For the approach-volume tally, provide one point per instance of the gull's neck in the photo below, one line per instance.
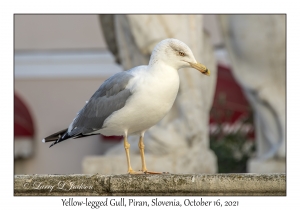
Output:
(161, 69)
(154, 57)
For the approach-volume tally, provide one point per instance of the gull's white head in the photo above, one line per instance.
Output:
(177, 54)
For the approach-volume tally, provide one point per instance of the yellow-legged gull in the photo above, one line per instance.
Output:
(132, 101)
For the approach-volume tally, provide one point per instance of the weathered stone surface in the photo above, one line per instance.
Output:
(165, 184)
(61, 184)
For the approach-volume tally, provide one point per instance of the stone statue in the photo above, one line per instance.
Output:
(256, 45)
(180, 142)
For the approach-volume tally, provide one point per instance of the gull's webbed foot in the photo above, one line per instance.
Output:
(135, 172)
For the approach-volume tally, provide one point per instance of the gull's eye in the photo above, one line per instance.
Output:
(181, 54)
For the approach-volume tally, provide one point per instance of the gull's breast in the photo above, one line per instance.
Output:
(153, 97)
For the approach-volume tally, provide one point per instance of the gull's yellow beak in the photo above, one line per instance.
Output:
(200, 67)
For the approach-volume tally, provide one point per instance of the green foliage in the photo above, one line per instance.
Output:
(233, 152)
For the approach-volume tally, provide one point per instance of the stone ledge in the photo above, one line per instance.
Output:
(156, 185)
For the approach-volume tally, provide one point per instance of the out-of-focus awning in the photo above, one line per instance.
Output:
(23, 129)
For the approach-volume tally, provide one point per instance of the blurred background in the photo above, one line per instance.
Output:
(238, 119)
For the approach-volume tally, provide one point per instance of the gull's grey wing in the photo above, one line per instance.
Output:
(110, 97)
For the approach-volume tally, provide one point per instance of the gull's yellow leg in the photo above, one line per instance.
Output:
(142, 146)
(127, 146)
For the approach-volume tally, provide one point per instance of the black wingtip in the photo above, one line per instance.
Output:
(60, 139)
(57, 141)
(52, 144)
